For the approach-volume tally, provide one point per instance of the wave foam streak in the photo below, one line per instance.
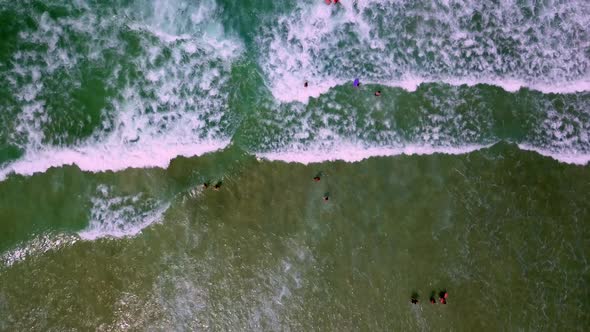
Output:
(164, 94)
(119, 216)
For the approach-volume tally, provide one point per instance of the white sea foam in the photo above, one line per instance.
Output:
(176, 105)
(111, 215)
(351, 152)
(446, 120)
(113, 224)
(569, 157)
(510, 85)
(121, 216)
(290, 88)
(175, 109)
(97, 158)
(406, 43)
(36, 247)
(355, 153)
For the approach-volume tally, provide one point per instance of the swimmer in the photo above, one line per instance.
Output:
(205, 185)
(305, 84)
(317, 177)
(217, 186)
(356, 83)
(377, 93)
(414, 300)
(433, 297)
(443, 297)
(326, 197)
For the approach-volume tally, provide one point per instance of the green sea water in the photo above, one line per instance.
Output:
(503, 231)
(468, 174)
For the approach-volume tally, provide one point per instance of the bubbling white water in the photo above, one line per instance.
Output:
(401, 43)
(168, 101)
(120, 216)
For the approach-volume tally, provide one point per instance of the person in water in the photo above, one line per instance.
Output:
(317, 177)
(432, 297)
(217, 186)
(205, 185)
(443, 297)
(305, 84)
(326, 197)
(356, 83)
(414, 300)
(377, 93)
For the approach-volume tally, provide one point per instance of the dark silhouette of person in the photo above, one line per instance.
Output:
(443, 295)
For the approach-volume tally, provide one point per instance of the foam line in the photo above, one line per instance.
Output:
(121, 227)
(36, 247)
(99, 158)
(350, 152)
(292, 90)
(565, 157)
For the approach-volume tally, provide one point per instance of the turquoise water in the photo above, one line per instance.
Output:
(469, 173)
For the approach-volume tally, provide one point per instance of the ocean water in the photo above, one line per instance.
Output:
(468, 174)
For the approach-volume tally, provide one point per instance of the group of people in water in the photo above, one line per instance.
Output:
(317, 178)
(442, 297)
(218, 184)
(216, 187)
(356, 83)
